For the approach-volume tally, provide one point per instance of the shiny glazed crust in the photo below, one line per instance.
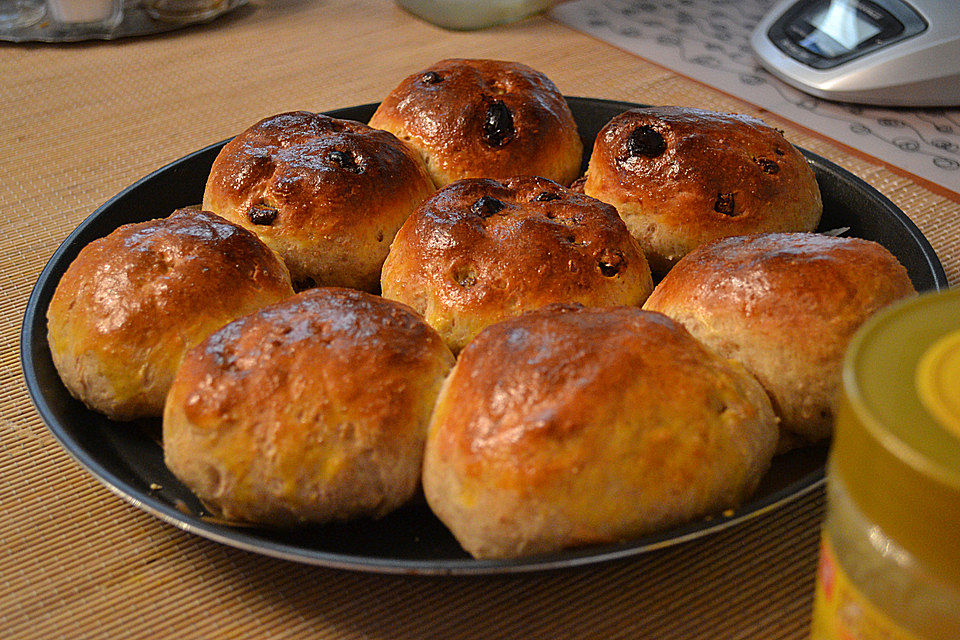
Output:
(785, 306)
(311, 410)
(130, 305)
(328, 195)
(441, 112)
(482, 250)
(570, 426)
(690, 176)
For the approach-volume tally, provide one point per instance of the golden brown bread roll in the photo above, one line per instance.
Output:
(328, 195)
(571, 426)
(785, 306)
(681, 177)
(484, 119)
(131, 304)
(480, 250)
(310, 410)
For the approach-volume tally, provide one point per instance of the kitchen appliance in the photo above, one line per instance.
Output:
(881, 52)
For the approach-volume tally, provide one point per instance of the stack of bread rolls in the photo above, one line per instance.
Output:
(438, 298)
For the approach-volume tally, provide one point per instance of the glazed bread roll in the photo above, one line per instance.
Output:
(310, 410)
(484, 119)
(131, 304)
(571, 426)
(480, 250)
(785, 306)
(328, 195)
(681, 177)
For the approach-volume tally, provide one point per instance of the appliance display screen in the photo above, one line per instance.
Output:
(838, 28)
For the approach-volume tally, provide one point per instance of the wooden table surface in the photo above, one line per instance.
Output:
(80, 122)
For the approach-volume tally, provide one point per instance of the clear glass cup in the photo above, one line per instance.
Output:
(85, 16)
(15, 14)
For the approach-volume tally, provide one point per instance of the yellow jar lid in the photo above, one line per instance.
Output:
(897, 438)
(938, 381)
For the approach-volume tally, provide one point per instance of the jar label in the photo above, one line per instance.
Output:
(842, 612)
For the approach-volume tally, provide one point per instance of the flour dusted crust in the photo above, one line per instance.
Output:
(570, 426)
(785, 306)
(327, 194)
(481, 250)
(132, 303)
(484, 119)
(681, 177)
(311, 410)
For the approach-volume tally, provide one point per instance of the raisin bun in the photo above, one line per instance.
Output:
(484, 119)
(328, 195)
(785, 306)
(132, 303)
(482, 250)
(570, 426)
(681, 177)
(311, 410)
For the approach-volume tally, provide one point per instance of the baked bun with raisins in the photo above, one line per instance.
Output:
(310, 410)
(482, 250)
(785, 305)
(132, 303)
(681, 177)
(484, 119)
(327, 194)
(570, 426)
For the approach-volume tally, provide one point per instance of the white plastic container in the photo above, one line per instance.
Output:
(466, 15)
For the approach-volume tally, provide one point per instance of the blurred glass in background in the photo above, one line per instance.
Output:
(20, 13)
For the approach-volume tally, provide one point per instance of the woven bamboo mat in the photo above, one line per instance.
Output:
(81, 122)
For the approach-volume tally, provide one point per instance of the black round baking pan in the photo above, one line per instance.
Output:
(128, 457)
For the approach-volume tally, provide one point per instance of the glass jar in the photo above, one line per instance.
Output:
(184, 11)
(890, 552)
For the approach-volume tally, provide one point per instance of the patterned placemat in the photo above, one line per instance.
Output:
(81, 122)
(710, 42)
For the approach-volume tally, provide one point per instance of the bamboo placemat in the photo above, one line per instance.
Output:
(81, 122)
